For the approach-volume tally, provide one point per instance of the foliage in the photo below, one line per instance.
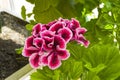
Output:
(100, 61)
(104, 61)
(23, 12)
(65, 72)
(19, 50)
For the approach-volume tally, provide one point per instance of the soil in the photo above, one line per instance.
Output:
(12, 36)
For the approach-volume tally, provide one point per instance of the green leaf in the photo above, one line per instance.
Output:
(29, 27)
(97, 69)
(54, 3)
(71, 69)
(31, 1)
(76, 70)
(80, 1)
(29, 14)
(33, 22)
(108, 18)
(39, 76)
(118, 78)
(90, 76)
(76, 50)
(23, 12)
(109, 26)
(65, 67)
(66, 9)
(91, 4)
(107, 6)
(45, 11)
(43, 74)
(41, 5)
(108, 56)
(56, 75)
(19, 50)
(116, 14)
(46, 71)
(47, 16)
(46, 74)
(104, 20)
(81, 12)
(63, 76)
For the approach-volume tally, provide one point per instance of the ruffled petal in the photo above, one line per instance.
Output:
(63, 54)
(29, 42)
(55, 27)
(47, 26)
(29, 51)
(44, 59)
(66, 21)
(47, 33)
(51, 23)
(59, 42)
(48, 45)
(53, 61)
(66, 34)
(38, 42)
(80, 31)
(81, 39)
(34, 60)
(48, 37)
(74, 24)
(36, 30)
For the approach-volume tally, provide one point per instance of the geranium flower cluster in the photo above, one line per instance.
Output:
(47, 45)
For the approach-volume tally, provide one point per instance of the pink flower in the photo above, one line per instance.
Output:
(47, 34)
(47, 45)
(44, 59)
(39, 42)
(62, 54)
(66, 21)
(58, 25)
(81, 39)
(53, 59)
(34, 60)
(29, 48)
(47, 26)
(29, 42)
(52, 41)
(36, 30)
(32, 45)
(66, 34)
(79, 31)
(51, 23)
(73, 24)
(27, 52)
(48, 37)
(59, 43)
